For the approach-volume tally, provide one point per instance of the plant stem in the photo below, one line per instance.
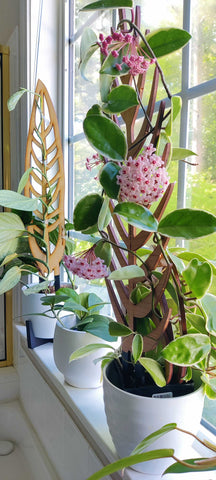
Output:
(134, 27)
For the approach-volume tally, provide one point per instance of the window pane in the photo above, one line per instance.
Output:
(201, 187)
(84, 179)
(203, 45)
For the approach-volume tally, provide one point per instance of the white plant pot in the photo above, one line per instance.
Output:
(131, 418)
(43, 327)
(81, 373)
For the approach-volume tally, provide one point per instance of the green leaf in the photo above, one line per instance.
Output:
(210, 392)
(104, 216)
(185, 255)
(120, 99)
(187, 350)
(11, 199)
(197, 322)
(154, 369)
(166, 40)
(86, 211)
(153, 437)
(70, 293)
(198, 276)
(108, 179)
(209, 304)
(104, 251)
(137, 347)
(125, 273)
(36, 288)
(193, 466)
(14, 99)
(105, 136)
(139, 293)
(11, 226)
(84, 351)
(109, 65)
(119, 329)
(187, 223)
(181, 153)
(99, 326)
(131, 460)
(103, 4)
(24, 179)
(137, 215)
(8, 247)
(176, 104)
(87, 50)
(105, 86)
(10, 279)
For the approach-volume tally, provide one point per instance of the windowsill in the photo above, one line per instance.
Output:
(86, 408)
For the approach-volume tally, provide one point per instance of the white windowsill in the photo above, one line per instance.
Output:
(86, 408)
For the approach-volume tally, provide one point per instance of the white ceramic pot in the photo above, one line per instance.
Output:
(43, 327)
(81, 373)
(131, 418)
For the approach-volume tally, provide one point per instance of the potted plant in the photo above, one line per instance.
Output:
(79, 324)
(33, 232)
(139, 454)
(164, 311)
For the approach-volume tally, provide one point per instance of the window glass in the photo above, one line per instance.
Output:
(203, 45)
(201, 178)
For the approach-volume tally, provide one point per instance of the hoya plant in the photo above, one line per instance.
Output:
(160, 297)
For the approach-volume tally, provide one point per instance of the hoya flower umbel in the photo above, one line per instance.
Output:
(86, 265)
(143, 179)
(126, 49)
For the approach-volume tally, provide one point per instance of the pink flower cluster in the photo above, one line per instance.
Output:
(115, 42)
(86, 265)
(93, 161)
(143, 179)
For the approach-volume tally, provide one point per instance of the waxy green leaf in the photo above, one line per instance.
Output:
(10, 279)
(108, 179)
(187, 350)
(24, 179)
(131, 460)
(120, 99)
(209, 305)
(104, 216)
(137, 215)
(137, 347)
(86, 211)
(11, 199)
(166, 40)
(104, 251)
(84, 351)
(103, 4)
(169, 427)
(187, 223)
(198, 276)
(126, 273)
(11, 226)
(99, 326)
(181, 153)
(109, 65)
(154, 369)
(119, 329)
(193, 466)
(105, 136)
(176, 103)
(14, 99)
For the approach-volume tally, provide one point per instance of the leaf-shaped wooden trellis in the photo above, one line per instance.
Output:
(125, 311)
(44, 157)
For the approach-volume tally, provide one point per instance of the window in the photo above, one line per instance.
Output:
(192, 76)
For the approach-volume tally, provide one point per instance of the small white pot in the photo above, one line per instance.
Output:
(43, 327)
(81, 373)
(132, 417)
